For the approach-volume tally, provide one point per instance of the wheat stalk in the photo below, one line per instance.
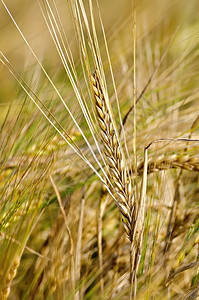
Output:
(132, 213)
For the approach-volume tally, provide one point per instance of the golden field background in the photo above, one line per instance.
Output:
(84, 253)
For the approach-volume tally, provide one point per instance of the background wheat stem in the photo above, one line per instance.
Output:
(72, 254)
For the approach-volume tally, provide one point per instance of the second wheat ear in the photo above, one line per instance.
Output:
(118, 170)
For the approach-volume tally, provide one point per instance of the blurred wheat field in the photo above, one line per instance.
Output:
(88, 89)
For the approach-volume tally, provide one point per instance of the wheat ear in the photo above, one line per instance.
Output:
(9, 278)
(186, 162)
(118, 171)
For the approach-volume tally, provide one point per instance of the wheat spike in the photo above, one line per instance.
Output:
(118, 171)
(9, 278)
(185, 162)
